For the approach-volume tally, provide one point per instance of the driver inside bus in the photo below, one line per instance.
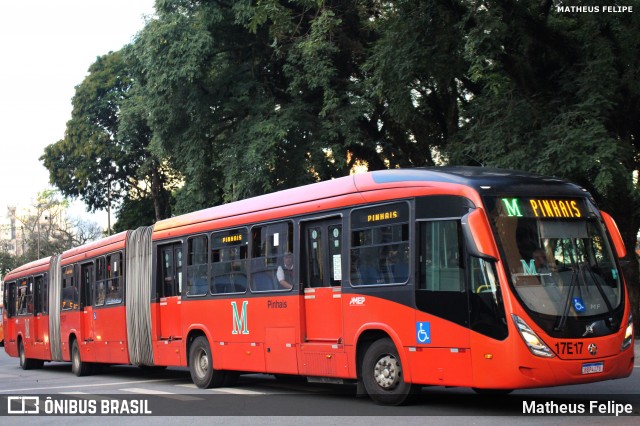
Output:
(284, 274)
(546, 270)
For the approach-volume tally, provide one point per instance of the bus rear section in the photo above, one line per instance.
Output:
(25, 318)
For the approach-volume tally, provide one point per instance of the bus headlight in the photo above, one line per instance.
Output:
(628, 334)
(534, 343)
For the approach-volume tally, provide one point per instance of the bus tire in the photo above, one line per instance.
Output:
(78, 367)
(201, 365)
(382, 374)
(25, 363)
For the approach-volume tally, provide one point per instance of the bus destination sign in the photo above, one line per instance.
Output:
(549, 208)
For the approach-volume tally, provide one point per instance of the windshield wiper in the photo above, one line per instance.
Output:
(567, 303)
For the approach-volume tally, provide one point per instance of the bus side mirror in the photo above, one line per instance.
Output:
(621, 250)
(478, 236)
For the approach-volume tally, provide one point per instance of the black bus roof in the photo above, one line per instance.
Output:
(487, 181)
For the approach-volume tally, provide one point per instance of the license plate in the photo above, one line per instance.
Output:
(592, 367)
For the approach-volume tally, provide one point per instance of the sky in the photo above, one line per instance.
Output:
(46, 48)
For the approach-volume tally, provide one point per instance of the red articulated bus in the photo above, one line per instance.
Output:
(483, 278)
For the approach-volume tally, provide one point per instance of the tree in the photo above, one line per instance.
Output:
(45, 229)
(234, 99)
(99, 160)
(8, 262)
(246, 98)
(558, 94)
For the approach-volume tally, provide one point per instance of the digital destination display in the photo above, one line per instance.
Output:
(551, 208)
(389, 214)
(230, 238)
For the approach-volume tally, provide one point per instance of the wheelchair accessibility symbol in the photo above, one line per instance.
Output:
(578, 305)
(423, 332)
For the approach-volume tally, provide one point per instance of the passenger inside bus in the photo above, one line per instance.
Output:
(101, 295)
(285, 271)
(114, 296)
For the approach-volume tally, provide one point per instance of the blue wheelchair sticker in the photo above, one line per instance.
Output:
(423, 332)
(578, 305)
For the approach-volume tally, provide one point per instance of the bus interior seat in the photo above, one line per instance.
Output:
(368, 275)
(231, 283)
(262, 281)
(198, 287)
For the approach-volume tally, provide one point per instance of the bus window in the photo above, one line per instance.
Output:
(25, 296)
(316, 250)
(40, 301)
(229, 261)
(440, 288)
(197, 280)
(10, 303)
(86, 284)
(322, 253)
(113, 284)
(269, 245)
(100, 285)
(440, 257)
(70, 298)
(380, 245)
(487, 314)
(170, 270)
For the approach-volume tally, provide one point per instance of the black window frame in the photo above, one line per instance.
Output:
(266, 253)
(375, 222)
(199, 289)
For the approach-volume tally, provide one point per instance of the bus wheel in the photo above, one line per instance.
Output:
(382, 374)
(78, 367)
(201, 365)
(25, 363)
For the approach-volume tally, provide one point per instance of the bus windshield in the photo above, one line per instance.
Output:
(559, 259)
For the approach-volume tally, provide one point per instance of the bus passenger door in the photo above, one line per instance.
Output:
(170, 290)
(86, 294)
(442, 320)
(40, 323)
(321, 276)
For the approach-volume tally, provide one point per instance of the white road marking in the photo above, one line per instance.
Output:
(170, 395)
(44, 388)
(235, 391)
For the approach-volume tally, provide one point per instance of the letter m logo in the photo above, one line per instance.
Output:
(529, 269)
(240, 319)
(513, 209)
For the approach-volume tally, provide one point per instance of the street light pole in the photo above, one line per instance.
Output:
(38, 227)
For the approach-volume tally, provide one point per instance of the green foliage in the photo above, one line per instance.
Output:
(551, 94)
(217, 101)
(8, 262)
(221, 100)
(90, 162)
(44, 230)
(134, 213)
(104, 157)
